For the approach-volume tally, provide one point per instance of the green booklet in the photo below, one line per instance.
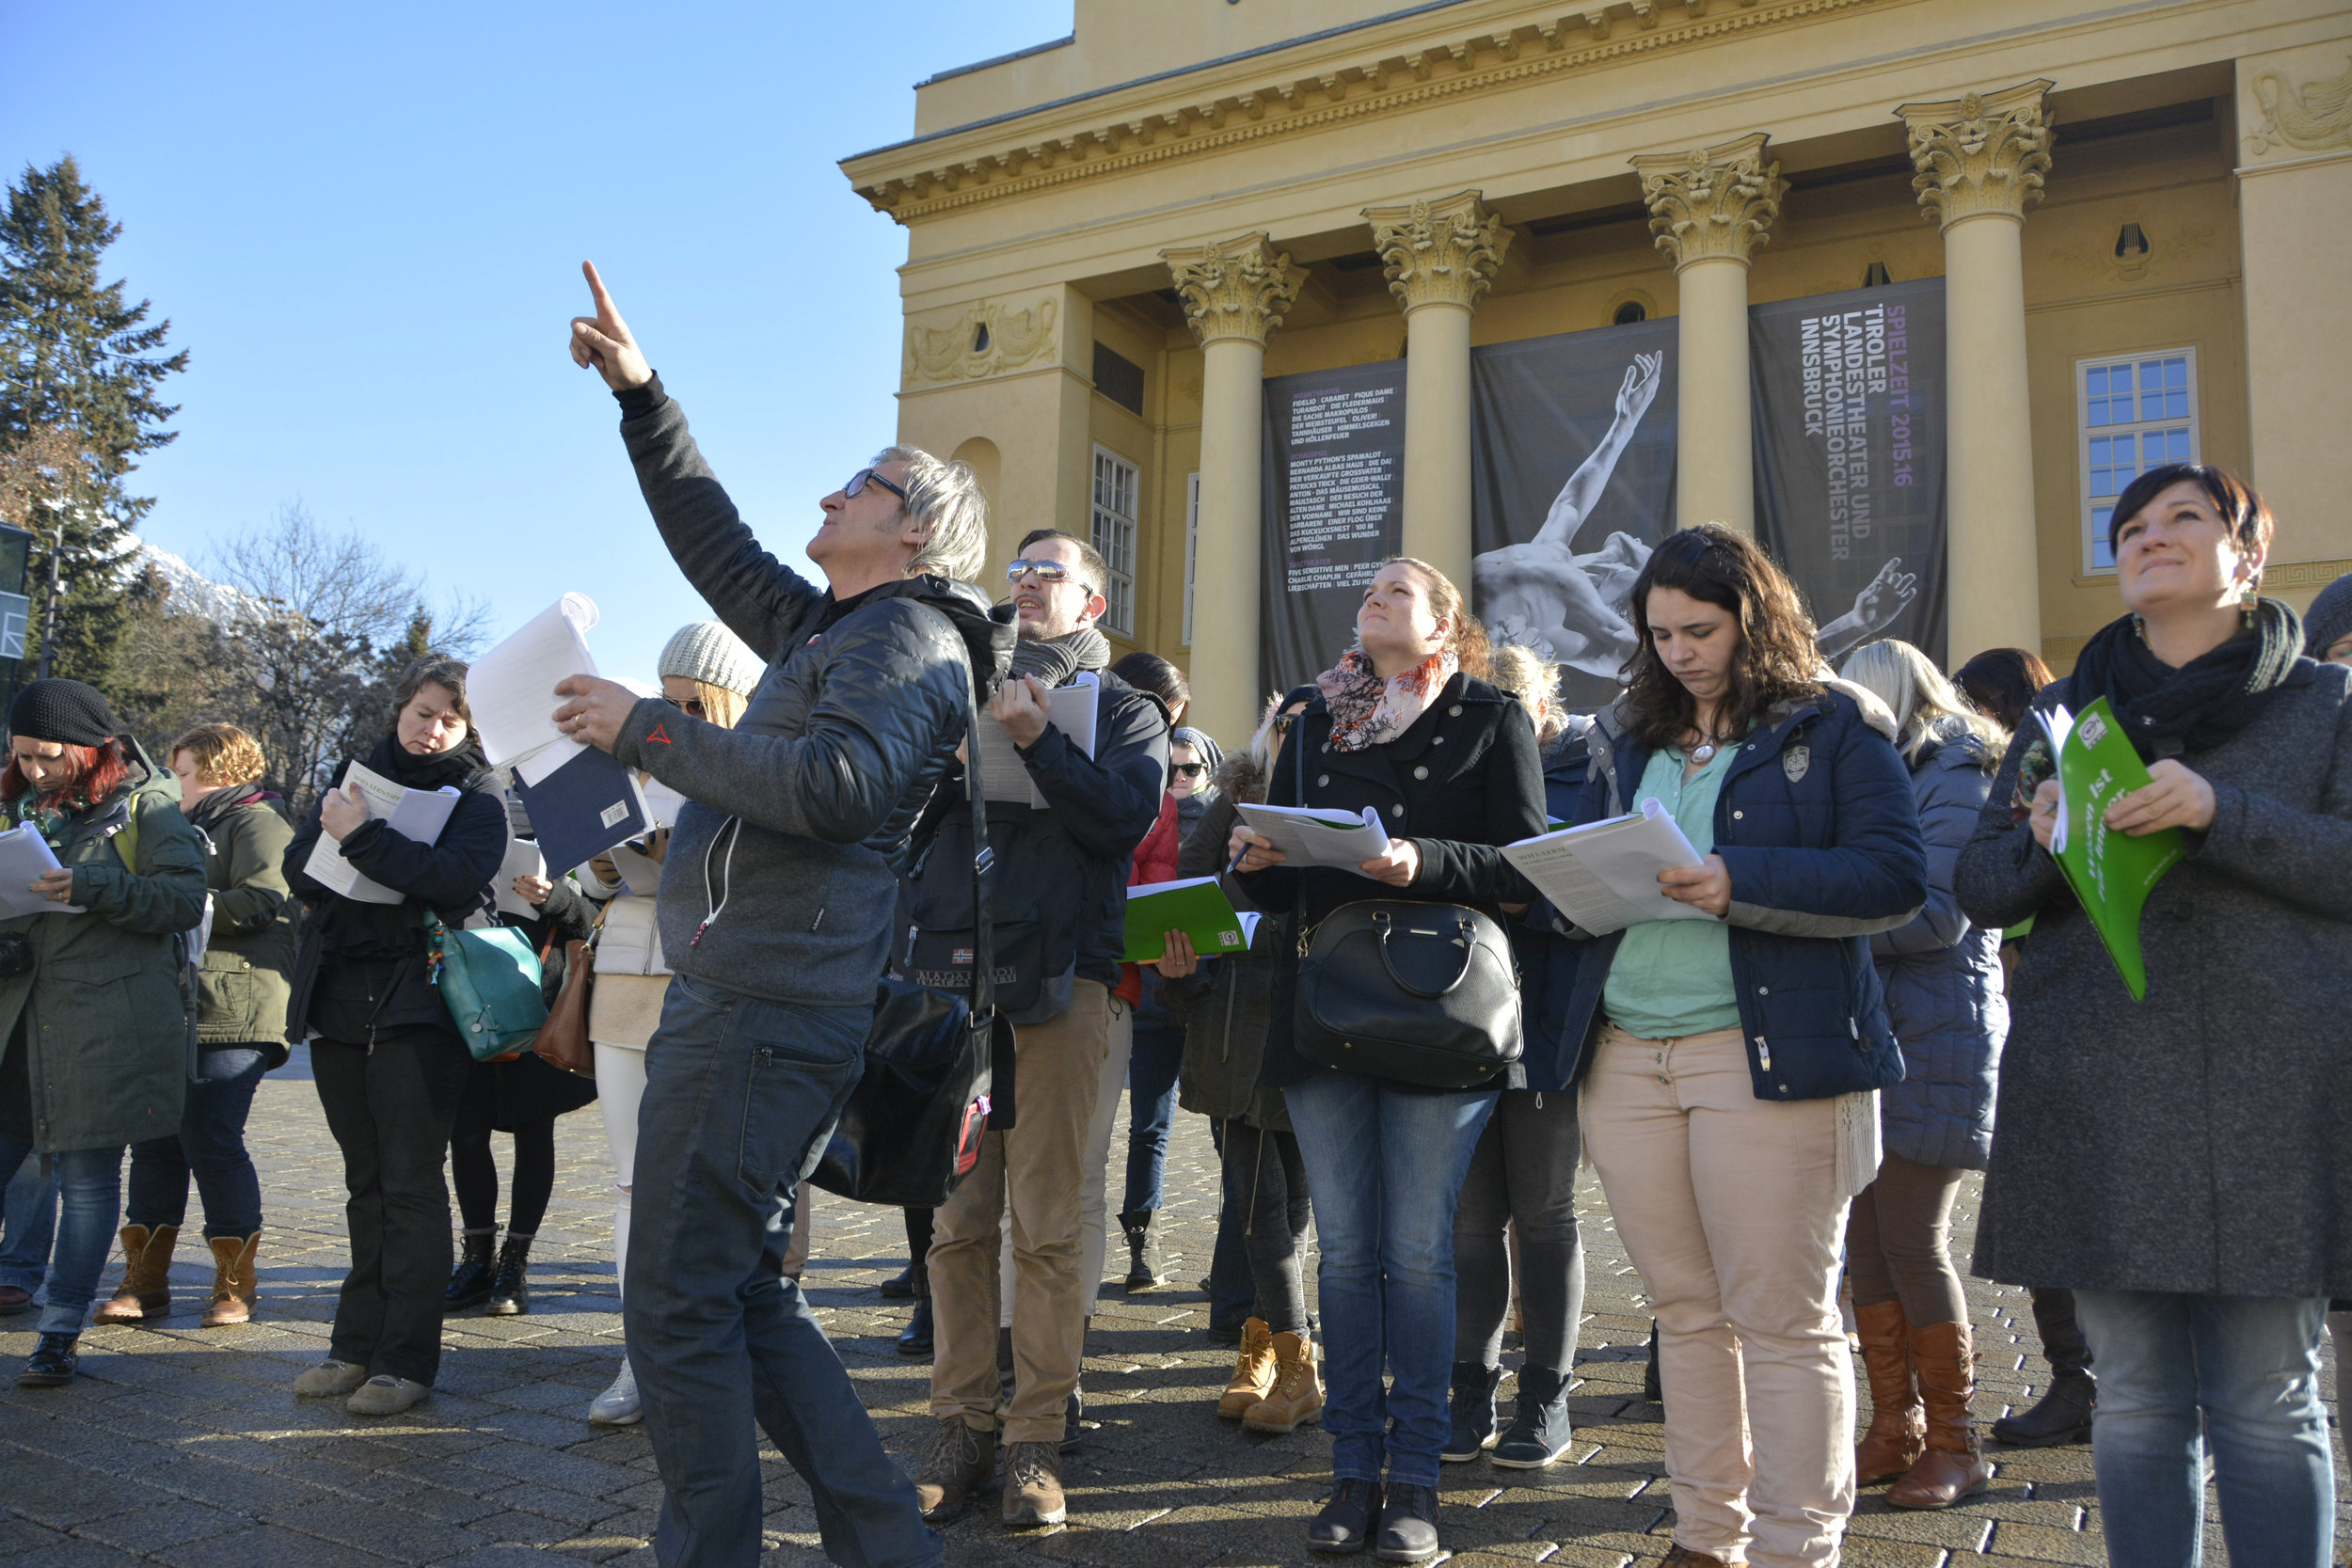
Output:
(1197, 907)
(2111, 872)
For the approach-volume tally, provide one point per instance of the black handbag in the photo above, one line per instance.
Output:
(939, 1072)
(1417, 993)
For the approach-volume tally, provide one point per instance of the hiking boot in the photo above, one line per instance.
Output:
(1540, 1434)
(330, 1380)
(386, 1395)
(233, 1282)
(1953, 1466)
(510, 1293)
(1298, 1394)
(51, 1363)
(1408, 1523)
(1253, 1372)
(1471, 1411)
(1345, 1525)
(1144, 1269)
(960, 1462)
(469, 1281)
(144, 1293)
(1897, 1434)
(1033, 1485)
(619, 1405)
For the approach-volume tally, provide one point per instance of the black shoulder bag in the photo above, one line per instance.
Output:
(939, 1067)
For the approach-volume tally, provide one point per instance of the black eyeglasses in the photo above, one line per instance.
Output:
(863, 477)
(1189, 769)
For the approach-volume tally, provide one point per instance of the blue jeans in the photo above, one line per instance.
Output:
(1158, 1052)
(1383, 1168)
(1233, 1291)
(741, 1096)
(28, 1223)
(211, 1146)
(90, 1183)
(2248, 1365)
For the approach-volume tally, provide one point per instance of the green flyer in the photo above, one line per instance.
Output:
(2111, 872)
(1197, 907)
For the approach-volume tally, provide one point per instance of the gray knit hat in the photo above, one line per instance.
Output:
(2329, 617)
(707, 651)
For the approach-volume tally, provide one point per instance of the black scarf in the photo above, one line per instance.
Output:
(1054, 659)
(2196, 707)
(212, 806)
(457, 765)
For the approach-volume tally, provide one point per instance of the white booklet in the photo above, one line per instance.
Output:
(1320, 835)
(416, 814)
(1604, 874)
(522, 860)
(512, 688)
(1003, 775)
(24, 856)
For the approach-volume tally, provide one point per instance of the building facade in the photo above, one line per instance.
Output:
(2141, 213)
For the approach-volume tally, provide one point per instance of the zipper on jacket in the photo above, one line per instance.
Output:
(732, 831)
(1763, 1053)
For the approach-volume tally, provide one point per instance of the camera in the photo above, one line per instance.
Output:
(16, 955)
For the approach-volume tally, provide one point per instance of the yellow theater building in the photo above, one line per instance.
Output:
(2140, 211)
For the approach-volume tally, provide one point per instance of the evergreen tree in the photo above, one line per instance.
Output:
(76, 357)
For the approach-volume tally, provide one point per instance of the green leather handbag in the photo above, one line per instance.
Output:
(489, 982)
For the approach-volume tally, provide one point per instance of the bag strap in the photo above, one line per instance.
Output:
(983, 987)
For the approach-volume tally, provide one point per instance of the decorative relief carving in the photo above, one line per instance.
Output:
(2314, 118)
(1711, 201)
(1237, 287)
(1445, 251)
(1980, 152)
(992, 338)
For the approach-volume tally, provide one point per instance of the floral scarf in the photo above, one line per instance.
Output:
(1368, 711)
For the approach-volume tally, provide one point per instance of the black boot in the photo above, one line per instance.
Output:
(1408, 1523)
(1005, 1371)
(1652, 1389)
(52, 1364)
(1073, 1410)
(1144, 1269)
(469, 1281)
(900, 1286)
(509, 1294)
(1538, 1434)
(2064, 1411)
(1472, 1411)
(915, 1339)
(1345, 1525)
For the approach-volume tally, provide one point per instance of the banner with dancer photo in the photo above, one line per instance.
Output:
(1334, 497)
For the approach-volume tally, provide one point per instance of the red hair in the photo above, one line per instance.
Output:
(98, 772)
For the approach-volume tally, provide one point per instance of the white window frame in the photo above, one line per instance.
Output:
(2096, 500)
(1117, 483)
(1192, 545)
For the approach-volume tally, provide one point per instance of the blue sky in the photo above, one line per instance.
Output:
(367, 222)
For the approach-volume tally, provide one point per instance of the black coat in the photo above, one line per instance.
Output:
(1465, 780)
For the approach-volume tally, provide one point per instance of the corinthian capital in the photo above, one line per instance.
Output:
(1237, 287)
(1441, 252)
(1711, 201)
(1982, 152)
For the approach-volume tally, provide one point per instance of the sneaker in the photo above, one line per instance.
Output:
(330, 1380)
(1033, 1485)
(618, 1406)
(1345, 1525)
(1408, 1525)
(1471, 1412)
(1540, 1435)
(386, 1395)
(52, 1364)
(960, 1462)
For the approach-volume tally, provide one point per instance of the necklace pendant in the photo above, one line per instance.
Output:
(1703, 751)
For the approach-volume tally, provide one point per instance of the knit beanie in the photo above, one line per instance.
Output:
(66, 712)
(707, 652)
(2329, 617)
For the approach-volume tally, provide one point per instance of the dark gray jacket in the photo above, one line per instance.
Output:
(1942, 978)
(781, 870)
(1227, 1007)
(2200, 1140)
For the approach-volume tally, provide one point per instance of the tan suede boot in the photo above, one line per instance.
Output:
(144, 1293)
(1954, 1466)
(1298, 1394)
(1253, 1371)
(1898, 1421)
(232, 1280)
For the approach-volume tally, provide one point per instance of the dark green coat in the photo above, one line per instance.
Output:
(105, 1021)
(244, 978)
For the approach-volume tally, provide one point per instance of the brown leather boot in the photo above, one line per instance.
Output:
(1898, 1422)
(1953, 1467)
(1298, 1394)
(232, 1280)
(144, 1293)
(1253, 1372)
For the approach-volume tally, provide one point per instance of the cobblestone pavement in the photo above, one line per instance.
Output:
(187, 1448)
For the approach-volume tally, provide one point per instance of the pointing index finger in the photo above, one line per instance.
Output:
(605, 310)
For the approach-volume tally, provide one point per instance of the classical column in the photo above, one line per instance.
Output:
(1235, 293)
(1982, 159)
(1711, 208)
(1441, 256)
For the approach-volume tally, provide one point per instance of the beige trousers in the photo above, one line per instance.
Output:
(1731, 1210)
(1037, 1173)
(1093, 1226)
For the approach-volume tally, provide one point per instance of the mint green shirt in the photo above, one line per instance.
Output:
(1673, 978)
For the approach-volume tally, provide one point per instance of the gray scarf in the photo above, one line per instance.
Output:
(1054, 659)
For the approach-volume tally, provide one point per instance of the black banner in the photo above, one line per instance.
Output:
(1849, 412)
(1334, 483)
(1572, 484)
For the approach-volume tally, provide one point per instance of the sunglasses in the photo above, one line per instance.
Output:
(1190, 769)
(1046, 572)
(691, 706)
(860, 480)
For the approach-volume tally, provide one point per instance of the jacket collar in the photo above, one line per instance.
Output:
(1626, 759)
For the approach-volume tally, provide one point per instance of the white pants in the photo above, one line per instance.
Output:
(620, 1084)
(1094, 1239)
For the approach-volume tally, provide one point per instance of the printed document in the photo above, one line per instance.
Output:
(1604, 874)
(512, 688)
(1196, 906)
(2112, 874)
(24, 855)
(1320, 835)
(416, 814)
(522, 860)
(1003, 775)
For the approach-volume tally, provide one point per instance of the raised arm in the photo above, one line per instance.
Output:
(1578, 497)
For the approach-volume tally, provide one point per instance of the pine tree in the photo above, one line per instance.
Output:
(76, 357)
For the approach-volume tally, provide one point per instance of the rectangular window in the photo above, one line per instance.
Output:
(1192, 545)
(2137, 413)
(1115, 537)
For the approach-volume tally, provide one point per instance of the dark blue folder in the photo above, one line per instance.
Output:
(584, 808)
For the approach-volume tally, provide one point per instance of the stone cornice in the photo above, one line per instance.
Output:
(1441, 252)
(1237, 287)
(1980, 152)
(1711, 203)
(1581, 37)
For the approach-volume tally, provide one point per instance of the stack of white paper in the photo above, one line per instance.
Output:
(1604, 874)
(1319, 835)
(1003, 775)
(522, 860)
(512, 688)
(416, 814)
(24, 855)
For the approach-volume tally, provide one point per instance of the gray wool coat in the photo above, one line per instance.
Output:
(2199, 1141)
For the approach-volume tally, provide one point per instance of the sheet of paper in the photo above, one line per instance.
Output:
(1604, 874)
(641, 872)
(1320, 835)
(512, 687)
(413, 814)
(522, 860)
(1003, 775)
(24, 856)
(661, 802)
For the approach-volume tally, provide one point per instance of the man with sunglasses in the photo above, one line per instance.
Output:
(775, 914)
(1058, 898)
